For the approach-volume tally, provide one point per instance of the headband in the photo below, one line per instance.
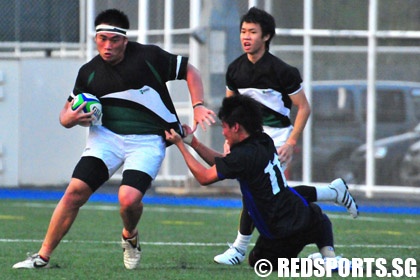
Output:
(101, 28)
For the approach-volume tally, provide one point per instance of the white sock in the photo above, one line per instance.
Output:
(325, 193)
(241, 242)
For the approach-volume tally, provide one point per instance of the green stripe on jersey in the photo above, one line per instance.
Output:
(122, 120)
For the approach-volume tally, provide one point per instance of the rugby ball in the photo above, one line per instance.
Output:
(93, 105)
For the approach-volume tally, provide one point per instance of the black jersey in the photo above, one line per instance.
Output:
(270, 81)
(276, 210)
(133, 93)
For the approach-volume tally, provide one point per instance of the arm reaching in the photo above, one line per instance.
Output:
(206, 153)
(204, 176)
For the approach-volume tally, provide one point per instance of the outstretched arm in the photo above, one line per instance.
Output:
(204, 176)
(206, 153)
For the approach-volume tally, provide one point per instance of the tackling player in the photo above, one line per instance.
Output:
(285, 220)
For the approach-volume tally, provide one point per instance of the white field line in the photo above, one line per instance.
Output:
(210, 212)
(198, 244)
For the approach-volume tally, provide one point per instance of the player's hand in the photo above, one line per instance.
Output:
(173, 137)
(82, 118)
(188, 134)
(203, 116)
(285, 153)
(226, 148)
(70, 117)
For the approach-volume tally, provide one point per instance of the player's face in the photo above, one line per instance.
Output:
(252, 39)
(111, 47)
(230, 134)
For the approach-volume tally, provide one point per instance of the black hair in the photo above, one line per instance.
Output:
(113, 17)
(264, 19)
(243, 110)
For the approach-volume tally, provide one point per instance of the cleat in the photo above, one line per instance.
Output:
(344, 197)
(33, 261)
(315, 256)
(231, 256)
(132, 252)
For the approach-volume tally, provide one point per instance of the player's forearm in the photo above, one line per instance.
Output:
(64, 118)
(206, 153)
(197, 169)
(299, 125)
(195, 85)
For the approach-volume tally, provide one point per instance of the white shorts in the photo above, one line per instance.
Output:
(279, 136)
(136, 152)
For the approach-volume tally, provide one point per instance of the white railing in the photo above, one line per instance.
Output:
(87, 50)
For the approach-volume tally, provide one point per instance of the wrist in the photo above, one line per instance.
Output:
(188, 139)
(197, 104)
(195, 143)
(290, 145)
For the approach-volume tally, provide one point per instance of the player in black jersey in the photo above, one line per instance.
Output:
(130, 81)
(276, 85)
(285, 220)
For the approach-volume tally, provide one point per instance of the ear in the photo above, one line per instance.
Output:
(266, 37)
(236, 127)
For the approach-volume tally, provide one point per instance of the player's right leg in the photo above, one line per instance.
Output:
(77, 193)
(88, 175)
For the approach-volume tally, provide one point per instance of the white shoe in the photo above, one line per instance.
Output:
(231, 256)
(33, 261)
(344, 197)
(315, 256)
(132, 252)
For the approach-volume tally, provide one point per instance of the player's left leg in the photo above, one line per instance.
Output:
(144, 156)
(237, 251)
(131, 209)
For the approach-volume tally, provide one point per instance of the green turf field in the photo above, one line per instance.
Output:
(177, 242)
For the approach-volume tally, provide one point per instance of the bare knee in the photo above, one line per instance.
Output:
(130, 199)
(76, 194)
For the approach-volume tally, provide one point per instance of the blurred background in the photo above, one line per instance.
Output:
(359, 60)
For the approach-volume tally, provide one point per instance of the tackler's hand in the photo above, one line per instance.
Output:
(188, 134)
(172, 136)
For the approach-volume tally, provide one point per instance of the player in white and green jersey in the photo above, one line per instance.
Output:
(130, 81)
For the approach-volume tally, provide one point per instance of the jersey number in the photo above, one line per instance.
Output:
(274, 171)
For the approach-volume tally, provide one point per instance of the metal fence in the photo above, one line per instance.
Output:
(326, 39)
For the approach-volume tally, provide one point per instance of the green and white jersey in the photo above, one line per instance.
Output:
(270, 81)
(133, 93)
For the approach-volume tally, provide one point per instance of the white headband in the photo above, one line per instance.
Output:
(102, 28)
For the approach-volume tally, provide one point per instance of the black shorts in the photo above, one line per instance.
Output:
(94, 172)
(319, 233)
